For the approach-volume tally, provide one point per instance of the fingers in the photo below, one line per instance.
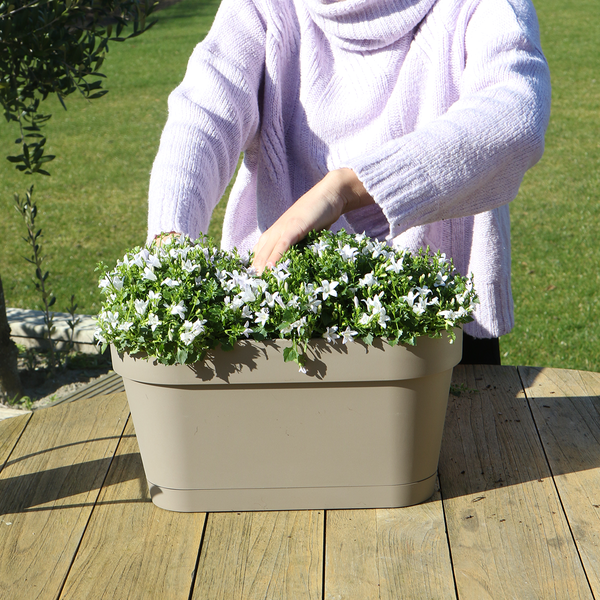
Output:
(274, 242)
(165, 237)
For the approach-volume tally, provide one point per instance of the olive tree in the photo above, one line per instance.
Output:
(52, 47)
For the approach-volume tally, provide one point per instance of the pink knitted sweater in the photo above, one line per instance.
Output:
(438, 106)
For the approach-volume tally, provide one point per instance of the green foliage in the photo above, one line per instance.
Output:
(176, 301)
(94, 205)
(53, 47)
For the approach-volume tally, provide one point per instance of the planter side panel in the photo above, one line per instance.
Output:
(290, 437)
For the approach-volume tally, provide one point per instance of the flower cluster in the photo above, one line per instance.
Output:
(176, 301)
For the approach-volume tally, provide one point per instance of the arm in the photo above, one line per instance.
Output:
(473, 158)
(469, 160)
(213, 114)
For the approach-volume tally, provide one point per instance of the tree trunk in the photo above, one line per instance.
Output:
(9, 373)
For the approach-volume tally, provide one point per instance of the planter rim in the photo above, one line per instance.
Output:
(252, 362)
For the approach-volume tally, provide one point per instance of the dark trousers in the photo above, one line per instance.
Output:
(480, 351)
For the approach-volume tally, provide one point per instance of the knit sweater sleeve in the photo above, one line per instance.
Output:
(213, 115)
(472, 158)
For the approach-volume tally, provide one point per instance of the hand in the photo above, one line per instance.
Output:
(339, 192)
(165, 237)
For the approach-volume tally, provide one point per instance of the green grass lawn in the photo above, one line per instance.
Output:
(93, 207)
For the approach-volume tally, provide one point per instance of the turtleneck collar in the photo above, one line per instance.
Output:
(363, 25)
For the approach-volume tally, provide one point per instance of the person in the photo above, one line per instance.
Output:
(413, 121)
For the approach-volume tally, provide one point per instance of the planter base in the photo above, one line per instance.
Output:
(251, 433)
(382, 496)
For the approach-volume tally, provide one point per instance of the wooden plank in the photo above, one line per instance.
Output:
(263, 555)
(509, 537)
(388, 554)
(111, 383)
(135, 549)
(10, 432)
(566, 408)
(48, 489)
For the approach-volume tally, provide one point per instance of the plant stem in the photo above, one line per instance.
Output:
(28, 210)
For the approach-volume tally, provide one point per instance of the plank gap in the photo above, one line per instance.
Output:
(441, 492)
(197, 566)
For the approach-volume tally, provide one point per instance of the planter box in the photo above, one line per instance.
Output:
(245, 431)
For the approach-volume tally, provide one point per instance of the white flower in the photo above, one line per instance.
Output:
(104, 283)
(420, 306)
(423, 291)
(348, 335)
(449, 315)
(348, 253)
(410, 299)
(117, 283)
(246, 312)
(294, 302)
(383, 318)
(149, 274)
(189, 267)
(191, 331)
(328, 288)
(178, 309)
(396, 265)
(365, 319)
(152, 295)
(280, 274)
(440, 279)
(313, 305)
(140, 306)
(139, 260)
(99, 336)
(270, 300)
(330, 335)
(247, 294)
(247, 330)
(262, 317)
(153, 321)
(153, 261)
(110, 318)
(126, 326)
(320, 247)
(171, 282)
(368, 280)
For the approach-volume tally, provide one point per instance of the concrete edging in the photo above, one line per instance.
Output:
(28, 329)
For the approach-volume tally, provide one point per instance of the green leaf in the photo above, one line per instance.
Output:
(182, 355)
(290, 354)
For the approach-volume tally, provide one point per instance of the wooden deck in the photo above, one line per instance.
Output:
(517, 514)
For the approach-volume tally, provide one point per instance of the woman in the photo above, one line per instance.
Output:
(411, 120)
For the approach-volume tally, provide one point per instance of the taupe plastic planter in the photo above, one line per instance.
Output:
(245, 431)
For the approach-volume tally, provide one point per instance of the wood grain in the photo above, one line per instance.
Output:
(266, 556)
(48, 489)
(10, 431)
(388, 554)
(135, 549)
(509, 537)
(566, 408)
